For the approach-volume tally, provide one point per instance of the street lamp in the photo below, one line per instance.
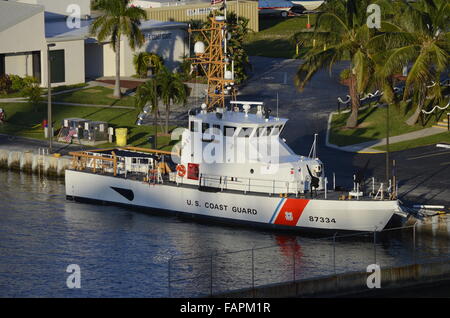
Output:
(49, 103)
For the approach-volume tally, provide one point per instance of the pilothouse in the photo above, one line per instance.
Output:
(240, 146)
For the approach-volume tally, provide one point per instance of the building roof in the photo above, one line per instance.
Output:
(12, 13)
(57, 29)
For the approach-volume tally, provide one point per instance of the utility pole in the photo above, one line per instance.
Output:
(388, 175)
(49, 102)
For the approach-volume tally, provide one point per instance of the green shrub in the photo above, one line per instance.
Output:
(17, 83)
(5, 84)
(345, 74)
(29, 81)
(33, 92)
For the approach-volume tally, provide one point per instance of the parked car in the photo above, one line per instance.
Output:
(296, 11)
(275, 7)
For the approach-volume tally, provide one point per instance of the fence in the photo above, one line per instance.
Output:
(290, 261)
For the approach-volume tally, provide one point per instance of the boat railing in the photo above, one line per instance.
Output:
(111, 163)
(269, 186)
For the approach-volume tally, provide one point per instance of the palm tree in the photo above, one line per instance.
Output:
(144, 60)
(238, 30)
(418, 37)
(341, 32)
(172, 89)
(118, 19)
(147, 94)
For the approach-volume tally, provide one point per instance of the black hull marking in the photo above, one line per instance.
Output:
(126, 193)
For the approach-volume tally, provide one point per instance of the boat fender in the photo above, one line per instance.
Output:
(181, 170)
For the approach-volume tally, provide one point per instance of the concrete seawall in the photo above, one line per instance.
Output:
(344, 284)
(32, 162)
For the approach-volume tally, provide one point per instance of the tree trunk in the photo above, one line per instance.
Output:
(155, 123)
(167, 117)
(411, 121)
(352, 121)
(117, 93)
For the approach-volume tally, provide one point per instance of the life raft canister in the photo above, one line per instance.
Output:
(181, 170)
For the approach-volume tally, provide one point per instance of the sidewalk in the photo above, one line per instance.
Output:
(367, 147)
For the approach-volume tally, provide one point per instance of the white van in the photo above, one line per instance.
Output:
(275, 7)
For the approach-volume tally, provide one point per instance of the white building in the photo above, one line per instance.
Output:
(62, 6)
(27, 29)
(147, 4)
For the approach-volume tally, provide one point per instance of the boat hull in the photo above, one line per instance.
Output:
(267, 211)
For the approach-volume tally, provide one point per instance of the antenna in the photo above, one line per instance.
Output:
(277, 105)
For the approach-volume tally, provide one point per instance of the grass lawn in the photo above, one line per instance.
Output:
(66, 87)
(12, 95)
(273, 39)
(425, 141)
(54, 90)
(372, 125)
(24, 120)
(97, 95)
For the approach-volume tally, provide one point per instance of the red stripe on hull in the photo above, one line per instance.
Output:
(291, 212)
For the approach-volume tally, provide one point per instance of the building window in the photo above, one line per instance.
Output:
(2, 64)
(37, 65)
(57, 62)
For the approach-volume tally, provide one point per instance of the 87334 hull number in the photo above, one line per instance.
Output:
(320, 219)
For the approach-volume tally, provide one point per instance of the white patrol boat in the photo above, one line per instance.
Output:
(230, 165)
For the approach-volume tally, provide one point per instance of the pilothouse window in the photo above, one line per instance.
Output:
(194, 126)
(276, 130)
(260, 131)
(205, 127)
(228, 131)
(216, 129)
(245, 132)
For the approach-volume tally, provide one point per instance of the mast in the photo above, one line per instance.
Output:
(214, 59)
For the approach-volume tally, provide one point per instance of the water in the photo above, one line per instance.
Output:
(123, 253)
